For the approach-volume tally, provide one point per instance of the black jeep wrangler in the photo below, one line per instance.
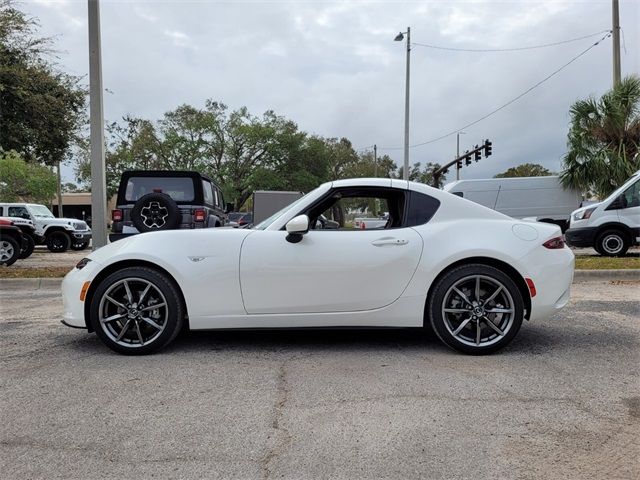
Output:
(165, 200)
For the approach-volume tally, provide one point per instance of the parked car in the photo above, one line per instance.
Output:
(610, 226)
(10, 242)
(288, 271)
(158, 200)
(240, 219)
(29, 236)
(541, 198)
(59, 234)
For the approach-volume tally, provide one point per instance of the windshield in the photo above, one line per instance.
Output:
(624, 186)
(265, 223)
(235, 216)
(40, 211)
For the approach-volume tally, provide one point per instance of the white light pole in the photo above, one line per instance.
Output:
(96, 119)
(399, 38)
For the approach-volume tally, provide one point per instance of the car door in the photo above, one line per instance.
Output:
(333, 270)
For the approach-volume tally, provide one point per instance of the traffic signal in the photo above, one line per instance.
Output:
(467, 160)
(487, 148)
(477, 154)
(459, 164)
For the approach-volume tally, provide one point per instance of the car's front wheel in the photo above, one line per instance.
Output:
(612, 243)
(136, 311)
(476, 309)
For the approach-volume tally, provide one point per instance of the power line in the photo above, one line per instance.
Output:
(516, 49)
(555, 72)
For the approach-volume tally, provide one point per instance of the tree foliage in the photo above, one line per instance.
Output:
(22, 181)
(41, 108)
(525, 170)
(604, 140)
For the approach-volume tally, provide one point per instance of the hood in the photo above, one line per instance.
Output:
(74, 222)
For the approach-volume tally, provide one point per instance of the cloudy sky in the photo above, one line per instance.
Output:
(334, 68)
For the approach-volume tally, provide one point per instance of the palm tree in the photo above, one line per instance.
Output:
(604, 140)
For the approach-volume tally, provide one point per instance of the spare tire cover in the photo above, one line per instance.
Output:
(155, 211)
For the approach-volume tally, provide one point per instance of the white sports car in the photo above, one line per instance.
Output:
(472, 273)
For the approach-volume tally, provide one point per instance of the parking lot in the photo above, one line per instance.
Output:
(562, 401)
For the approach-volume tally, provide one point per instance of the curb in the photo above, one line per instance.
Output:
(622, 274)
(30, 283)
(578, 276)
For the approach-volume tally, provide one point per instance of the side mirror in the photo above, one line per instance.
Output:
(229, 207)
(296, 228)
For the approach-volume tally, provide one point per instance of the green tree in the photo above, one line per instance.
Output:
(423, 175)
(525, 170)
(604, 140)
(41, 108)
(23, 181)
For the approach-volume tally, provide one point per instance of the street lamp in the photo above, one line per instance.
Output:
(399, 38)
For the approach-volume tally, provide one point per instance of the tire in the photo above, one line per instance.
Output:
(612, 243)
(133, 333)
(28, 244)
(469, 317)
(79, 245)
(9, 251)
(58, 242)
(155, 211)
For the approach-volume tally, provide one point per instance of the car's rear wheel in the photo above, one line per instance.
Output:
(27, 246)
(476, 309)
(136, 311)
(58, 242)
(612, 243)
(9, 251)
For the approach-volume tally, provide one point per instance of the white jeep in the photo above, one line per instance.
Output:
(59, 234)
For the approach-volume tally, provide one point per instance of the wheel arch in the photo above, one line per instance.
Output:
(114, 267)
(55, 228)
(613, 226)
(492, 262)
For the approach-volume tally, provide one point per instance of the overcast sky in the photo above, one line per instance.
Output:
(334, 68)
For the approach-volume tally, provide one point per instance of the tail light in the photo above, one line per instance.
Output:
(554, 243)
(198, 215)
(242, 221)
(116, 215)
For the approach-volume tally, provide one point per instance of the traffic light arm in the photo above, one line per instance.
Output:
(486, 146)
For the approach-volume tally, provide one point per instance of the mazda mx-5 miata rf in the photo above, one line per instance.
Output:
(471, 273)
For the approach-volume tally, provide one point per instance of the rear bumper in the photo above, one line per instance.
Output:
(581, 237)
(552, 275)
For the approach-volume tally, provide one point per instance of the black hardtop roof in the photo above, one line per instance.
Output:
(164, 173)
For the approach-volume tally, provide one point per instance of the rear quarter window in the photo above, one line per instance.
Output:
(421, 208)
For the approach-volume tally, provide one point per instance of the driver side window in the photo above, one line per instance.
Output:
(632, 196)
(358, 209)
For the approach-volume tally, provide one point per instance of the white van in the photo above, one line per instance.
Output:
(611, 226)
(540, 198)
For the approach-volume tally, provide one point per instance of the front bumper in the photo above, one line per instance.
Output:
(581, 237)
(81, 236)
(72, 283)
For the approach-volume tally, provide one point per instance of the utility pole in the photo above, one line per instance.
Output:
(59, 190)
(375, 160)
(615, 16)
(96, 118)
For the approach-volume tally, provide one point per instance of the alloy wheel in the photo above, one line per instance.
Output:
(6, 251)
(478, 310)
(133, 312)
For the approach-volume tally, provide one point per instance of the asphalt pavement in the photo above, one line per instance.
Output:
(562, 401)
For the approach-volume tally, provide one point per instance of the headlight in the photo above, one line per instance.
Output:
(82, 263)
(584, 214)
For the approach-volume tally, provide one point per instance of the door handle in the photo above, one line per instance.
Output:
(389, 241)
